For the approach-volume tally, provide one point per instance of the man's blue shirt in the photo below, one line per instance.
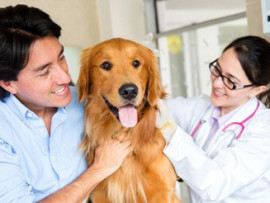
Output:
(33, 164)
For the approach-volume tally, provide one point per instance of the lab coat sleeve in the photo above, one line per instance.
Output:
(13, 185)
(187, 111)
(230, 170)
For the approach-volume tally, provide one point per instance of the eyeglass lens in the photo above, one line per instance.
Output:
(217, 73)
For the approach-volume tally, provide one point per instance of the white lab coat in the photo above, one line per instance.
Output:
(235, 171)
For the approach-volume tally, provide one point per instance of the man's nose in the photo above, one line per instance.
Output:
(61, 75)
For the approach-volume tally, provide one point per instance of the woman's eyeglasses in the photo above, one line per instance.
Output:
(215, 71)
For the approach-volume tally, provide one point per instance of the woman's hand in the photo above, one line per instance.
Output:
(165, 121)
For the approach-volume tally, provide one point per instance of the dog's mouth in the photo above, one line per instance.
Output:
(126, 115)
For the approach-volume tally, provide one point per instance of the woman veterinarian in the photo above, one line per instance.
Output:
(222, 150)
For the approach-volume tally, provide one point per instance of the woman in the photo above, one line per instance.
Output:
(222, 150)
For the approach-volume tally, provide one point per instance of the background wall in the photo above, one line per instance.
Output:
(122, 18)
(87, 22)
(78, 19)
(254, 16)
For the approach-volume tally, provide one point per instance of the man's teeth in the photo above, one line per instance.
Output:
(60, 90)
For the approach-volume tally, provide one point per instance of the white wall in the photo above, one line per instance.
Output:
(87, 22)
(254, 15)
(122, 18)
(179, 13)
(78, 19)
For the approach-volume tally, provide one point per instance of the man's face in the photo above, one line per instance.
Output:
(44, 81)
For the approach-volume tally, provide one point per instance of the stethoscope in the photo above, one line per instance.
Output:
(227, 126)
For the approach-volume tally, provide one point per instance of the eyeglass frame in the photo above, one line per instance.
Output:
(235, 87)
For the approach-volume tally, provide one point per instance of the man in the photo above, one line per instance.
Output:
(41, 121)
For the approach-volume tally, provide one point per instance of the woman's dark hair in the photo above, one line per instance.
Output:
(20, 27)
(253, 53)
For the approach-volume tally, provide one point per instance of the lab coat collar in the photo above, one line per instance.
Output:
(244, 111)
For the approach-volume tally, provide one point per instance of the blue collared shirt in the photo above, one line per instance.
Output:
(33, 164)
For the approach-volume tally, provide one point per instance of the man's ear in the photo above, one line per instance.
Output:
(8, 86)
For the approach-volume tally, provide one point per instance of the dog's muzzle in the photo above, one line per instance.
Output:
(128, 91)
(126, 114)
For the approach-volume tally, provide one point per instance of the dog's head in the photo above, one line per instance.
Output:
(123, 75)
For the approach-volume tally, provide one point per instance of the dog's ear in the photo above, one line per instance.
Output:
(155, 89)
(83, 80)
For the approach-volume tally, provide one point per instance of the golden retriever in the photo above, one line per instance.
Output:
(120, 82)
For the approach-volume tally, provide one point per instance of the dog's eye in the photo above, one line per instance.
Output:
(106, 65)
(136, 63)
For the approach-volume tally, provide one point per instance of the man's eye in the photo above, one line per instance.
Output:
(62, 58)
(44, 74)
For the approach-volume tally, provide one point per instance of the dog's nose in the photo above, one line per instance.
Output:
(128, 91)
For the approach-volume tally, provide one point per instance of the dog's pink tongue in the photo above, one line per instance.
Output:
(128, 116)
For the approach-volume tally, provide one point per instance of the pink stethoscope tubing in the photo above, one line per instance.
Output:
(233, 123)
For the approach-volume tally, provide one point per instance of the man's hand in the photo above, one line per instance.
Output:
(165, 121)
(108, 159)
(110, 155)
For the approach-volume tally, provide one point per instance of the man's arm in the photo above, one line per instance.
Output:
(108, 159)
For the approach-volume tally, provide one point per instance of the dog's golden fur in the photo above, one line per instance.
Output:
(146, 175)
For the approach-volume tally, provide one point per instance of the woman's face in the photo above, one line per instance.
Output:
(222, 96)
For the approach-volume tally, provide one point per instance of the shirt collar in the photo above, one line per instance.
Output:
(222, 119)
(22, 111)
(18, 108)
